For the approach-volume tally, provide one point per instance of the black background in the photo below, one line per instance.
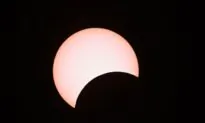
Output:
(159, 32)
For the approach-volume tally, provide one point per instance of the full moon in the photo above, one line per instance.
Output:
(88, 54)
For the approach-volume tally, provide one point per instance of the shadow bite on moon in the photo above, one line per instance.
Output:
(112, 93)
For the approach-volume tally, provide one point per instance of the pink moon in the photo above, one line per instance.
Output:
(88, 54)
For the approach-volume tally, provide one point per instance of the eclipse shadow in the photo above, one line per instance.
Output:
(115, 94)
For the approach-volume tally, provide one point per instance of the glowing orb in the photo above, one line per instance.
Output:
(87, 54)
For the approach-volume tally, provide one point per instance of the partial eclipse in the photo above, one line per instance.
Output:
(88, 54)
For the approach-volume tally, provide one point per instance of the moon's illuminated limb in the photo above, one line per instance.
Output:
(87, 54)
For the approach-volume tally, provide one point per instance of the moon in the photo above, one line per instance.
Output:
(88, 54)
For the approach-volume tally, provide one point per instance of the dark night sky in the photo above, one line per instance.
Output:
(158, 31)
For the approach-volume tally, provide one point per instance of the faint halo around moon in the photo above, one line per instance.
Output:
(87, 54)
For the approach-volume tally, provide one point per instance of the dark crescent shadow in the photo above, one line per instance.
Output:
(112, 93)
